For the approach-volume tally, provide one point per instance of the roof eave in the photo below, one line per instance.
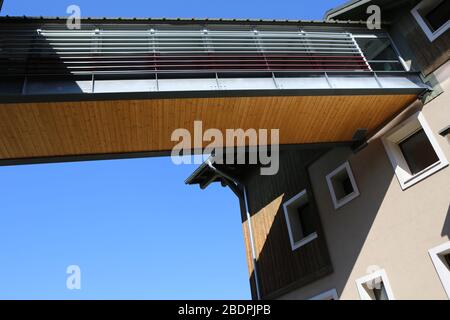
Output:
(349, 5)
(180, 20)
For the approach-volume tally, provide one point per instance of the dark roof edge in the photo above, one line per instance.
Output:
(180, 20)
(349, 5)
(204, 166)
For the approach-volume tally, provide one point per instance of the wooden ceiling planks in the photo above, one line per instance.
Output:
(29, 130)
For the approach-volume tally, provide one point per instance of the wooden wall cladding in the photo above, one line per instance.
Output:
(279, 268)
(425, 56)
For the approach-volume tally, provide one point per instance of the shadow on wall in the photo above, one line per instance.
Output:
(411, 39)
(32, 64)
(279, 268)
(446, 227)
(352, 223)
(282, 270)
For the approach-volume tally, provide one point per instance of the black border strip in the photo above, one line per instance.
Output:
(141, 154)
(205, 94)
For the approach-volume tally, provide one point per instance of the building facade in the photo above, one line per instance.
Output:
(371, 221)
(399, 222)
(359, 206)
(397, 227)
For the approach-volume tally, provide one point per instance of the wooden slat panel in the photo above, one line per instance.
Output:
(411, 40)
(279, 268)
(99, 127)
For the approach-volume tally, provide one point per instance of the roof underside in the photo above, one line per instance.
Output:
(30, 132)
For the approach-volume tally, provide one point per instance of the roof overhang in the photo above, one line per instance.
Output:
(357, 9)
(244, 161)
(95, 128)
(211, 171)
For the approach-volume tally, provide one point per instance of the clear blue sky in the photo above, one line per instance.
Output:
(133, 227)
(279, 9)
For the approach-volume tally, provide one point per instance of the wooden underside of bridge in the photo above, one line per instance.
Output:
(61, 129)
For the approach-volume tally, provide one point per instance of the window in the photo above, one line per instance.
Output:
(438, 16)
(418, 152)
(375, 286)
(433, 16)
(447, 259)
(328, 295)
(413, 151)
(300, 220)
(342, 185)
(440, 256)
(379, 53)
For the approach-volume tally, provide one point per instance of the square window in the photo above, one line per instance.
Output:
(413, 151)
(342, 185)
(440, 256)
(418, 152)
(304, 215)
(436, 17)
(375, 286)
(433, 16)
(300, 220)
(379, 292)
(447, 259)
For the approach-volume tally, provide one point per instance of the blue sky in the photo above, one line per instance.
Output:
(281, 9)
(133, 227)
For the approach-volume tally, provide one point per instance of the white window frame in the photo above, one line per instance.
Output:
(401, 168)
(442, 270)
(297, 244)
(339, 203)
(432, 35)
(381, 273)
(327, 295)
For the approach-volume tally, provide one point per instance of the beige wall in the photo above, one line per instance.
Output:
(386, 226)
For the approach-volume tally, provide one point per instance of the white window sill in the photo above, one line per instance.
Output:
(413, 179)
(346, 199)
(304, 241)
(441, 269)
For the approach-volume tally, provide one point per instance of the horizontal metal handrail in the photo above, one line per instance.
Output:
(239, 72)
